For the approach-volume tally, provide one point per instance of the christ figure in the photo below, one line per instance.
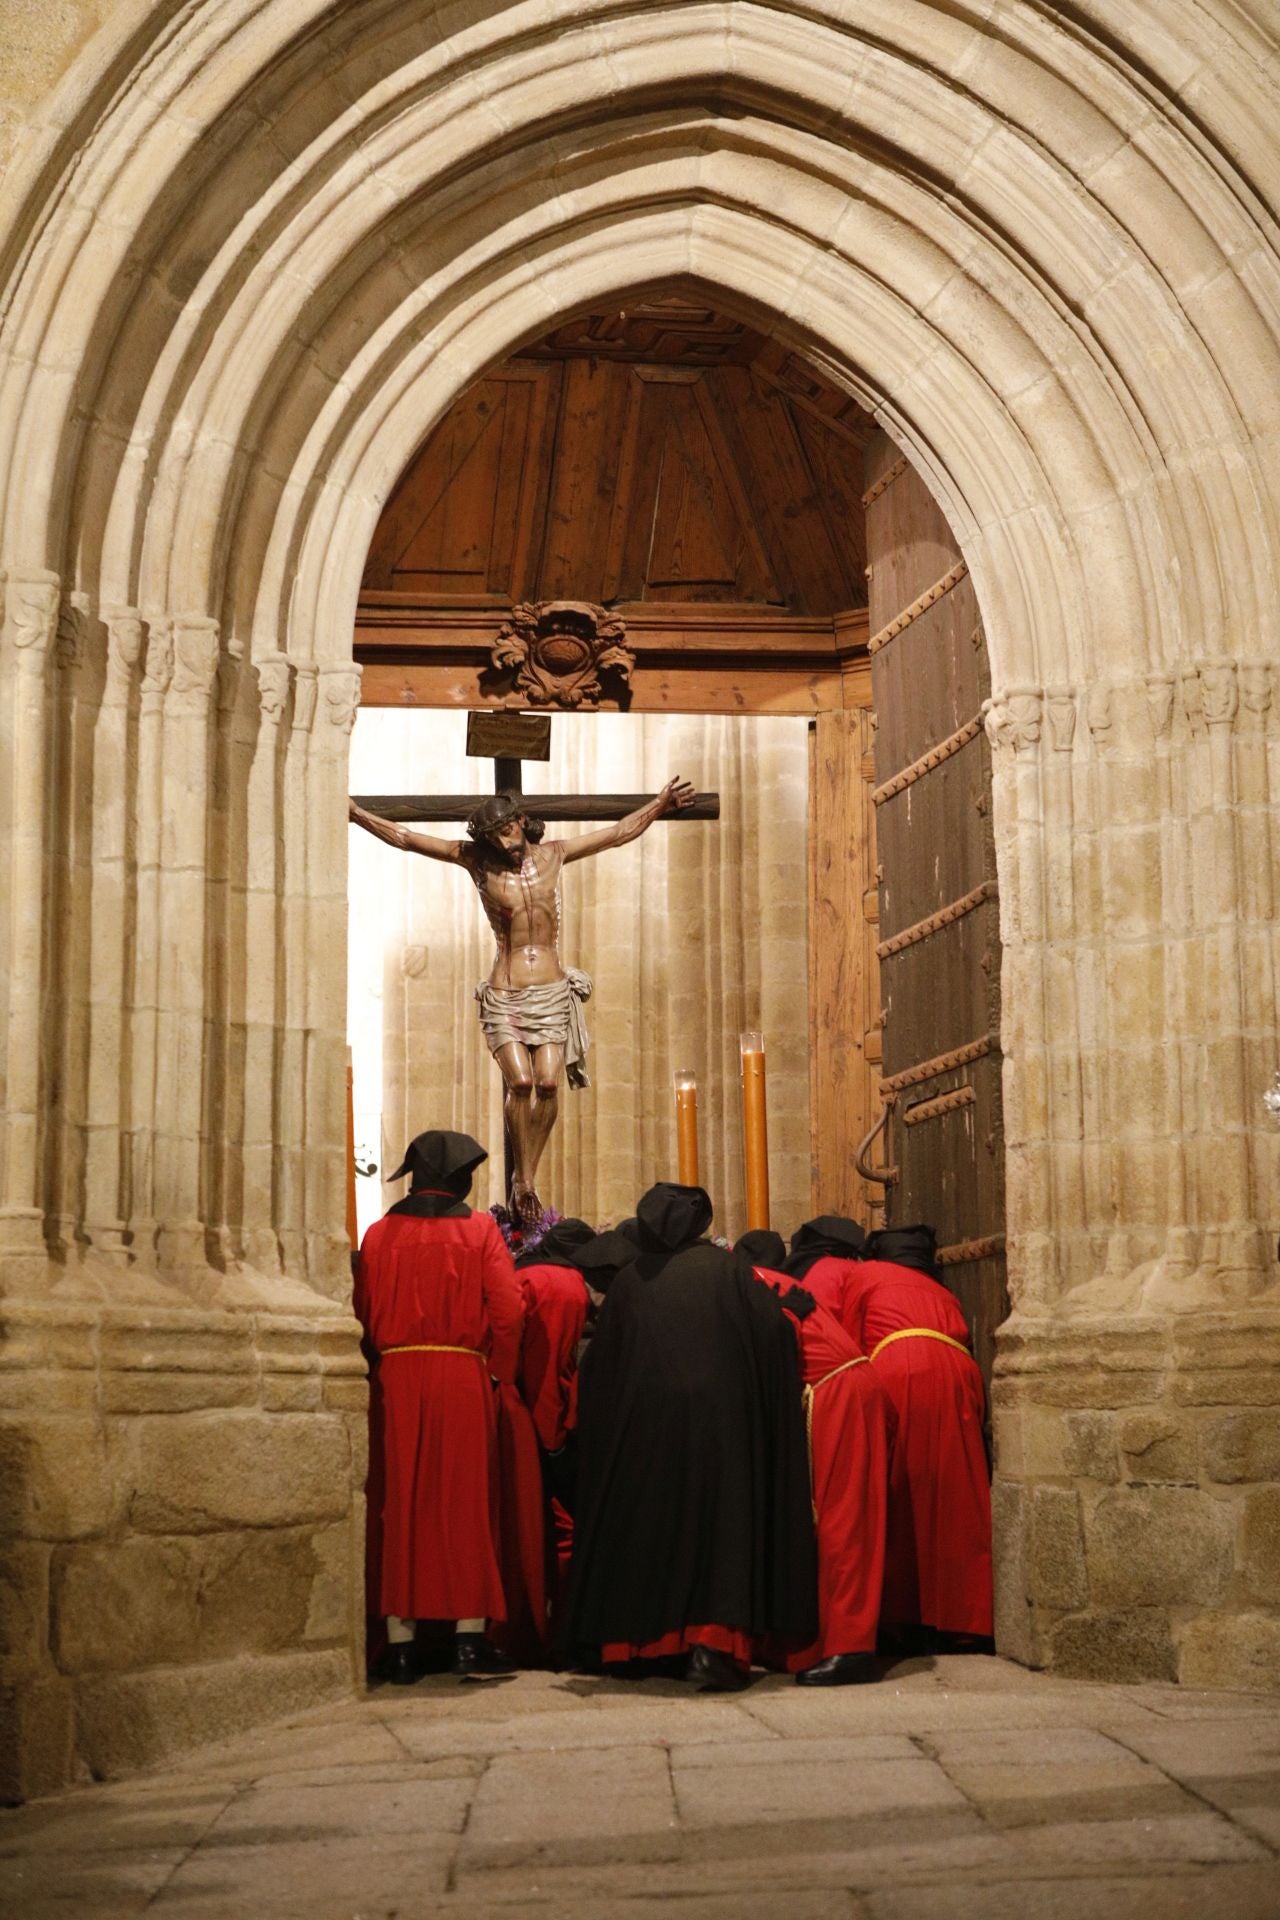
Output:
(531, 1004)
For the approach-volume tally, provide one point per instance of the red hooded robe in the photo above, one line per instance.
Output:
(938, 1551)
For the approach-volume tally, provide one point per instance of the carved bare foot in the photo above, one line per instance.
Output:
(525, 1204)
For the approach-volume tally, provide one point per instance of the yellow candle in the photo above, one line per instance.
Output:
(755, 1131)
(687, 1127)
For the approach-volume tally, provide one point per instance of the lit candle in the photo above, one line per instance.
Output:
(755, 1131)
(687, 1126)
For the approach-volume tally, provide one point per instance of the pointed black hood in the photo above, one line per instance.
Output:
(440, 1166)
(671, 1217)
(830, 1233)
(763, 1248)
(603, 1259)
(560, 1246)
(915, 1247)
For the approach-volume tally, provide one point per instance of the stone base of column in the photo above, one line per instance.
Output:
(1137, 1495)
(185, 1549)
(24, 1257)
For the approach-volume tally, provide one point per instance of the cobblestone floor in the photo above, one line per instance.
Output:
(957, 1789)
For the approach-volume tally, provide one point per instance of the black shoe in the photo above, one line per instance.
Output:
(841, 1670)
(401, 1669)
(475, 1659)
(712, 1672)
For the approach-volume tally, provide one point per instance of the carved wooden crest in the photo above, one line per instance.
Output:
(558, 649)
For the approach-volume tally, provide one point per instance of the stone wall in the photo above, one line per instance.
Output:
(183, 1519)
(1137, 1501)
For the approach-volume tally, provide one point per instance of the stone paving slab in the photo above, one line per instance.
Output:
(953, 1790)
(688, 1718)
(1242, 1893)
(111, 1886)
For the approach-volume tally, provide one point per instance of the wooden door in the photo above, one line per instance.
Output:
(939, 938)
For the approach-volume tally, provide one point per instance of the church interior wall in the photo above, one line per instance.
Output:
(252, 254)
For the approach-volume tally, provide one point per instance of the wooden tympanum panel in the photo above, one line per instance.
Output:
(939, 940)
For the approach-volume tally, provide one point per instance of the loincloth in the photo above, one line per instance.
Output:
(549, 1015)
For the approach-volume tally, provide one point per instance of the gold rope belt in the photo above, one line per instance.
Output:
(920, 1333)
(473, 1351)
(859, 1360)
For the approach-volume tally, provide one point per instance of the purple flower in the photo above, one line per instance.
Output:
(518, 1239)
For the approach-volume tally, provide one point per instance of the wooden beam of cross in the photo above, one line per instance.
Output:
(509, 739)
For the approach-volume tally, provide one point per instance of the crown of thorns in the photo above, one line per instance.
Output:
(493, 813)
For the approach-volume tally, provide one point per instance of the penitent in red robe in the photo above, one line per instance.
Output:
(439, 1284)
(556, 1302)
(851, 1425)
(938, 1551)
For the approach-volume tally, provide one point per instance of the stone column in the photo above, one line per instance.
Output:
(328, 1259)
(140, 1207)
(109, 932)
(262, 968)
(31, 612)
(291, 1084)
(182, 973)
(68, 816)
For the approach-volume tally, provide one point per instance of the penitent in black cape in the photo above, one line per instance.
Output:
(693, 1503)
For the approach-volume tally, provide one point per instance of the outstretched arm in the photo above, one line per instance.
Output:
(674, 798)
(398, 836)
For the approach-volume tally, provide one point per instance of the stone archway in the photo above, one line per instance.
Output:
(1038, 254)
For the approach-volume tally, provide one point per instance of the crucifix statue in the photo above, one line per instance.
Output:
(531, 1004)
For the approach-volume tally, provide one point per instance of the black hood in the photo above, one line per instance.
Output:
(560, 1246)
(603, 1259)
(763, 1248)
(830, 1233)
(435, 1159)
(672, 1217)
(915, 1247)
(440, 1166)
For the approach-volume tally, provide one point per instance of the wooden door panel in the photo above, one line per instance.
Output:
(939, 942)
(932, 676)
(941, 993)
(940, 812)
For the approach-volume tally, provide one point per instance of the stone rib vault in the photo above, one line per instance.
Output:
(253, 251)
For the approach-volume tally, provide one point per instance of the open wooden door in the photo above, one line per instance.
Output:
(939, 944)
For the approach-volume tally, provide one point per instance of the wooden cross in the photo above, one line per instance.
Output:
(509, 739)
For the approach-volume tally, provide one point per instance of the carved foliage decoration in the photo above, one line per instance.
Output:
(556, 651)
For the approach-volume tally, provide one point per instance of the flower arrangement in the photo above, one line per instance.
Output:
(521, 1239)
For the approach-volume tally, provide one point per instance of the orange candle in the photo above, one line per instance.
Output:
(755, 1131)
(687, 1127)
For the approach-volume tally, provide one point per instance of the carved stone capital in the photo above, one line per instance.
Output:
(31, 617)
(273, 672)
(73, 625)
(553, 652)
(1192, 699)
(195, 660)
(1255, 692)
(1100, 713)
(158, 669)
(1013, 721)
(305, 686)
(341, 696)
(1219, 693)
(1160, 691)
(1060, 712)
(125, 639)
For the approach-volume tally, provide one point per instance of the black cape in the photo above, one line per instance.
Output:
(693, 1504)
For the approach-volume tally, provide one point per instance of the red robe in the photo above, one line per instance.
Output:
(938, 1551)
(445, 1282)
(556, 1303)
(851, 1426)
